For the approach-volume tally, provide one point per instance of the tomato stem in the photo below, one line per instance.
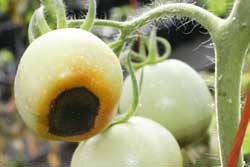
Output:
(89, 21)
(205, 18)
(234, 154)
(152, 47)
(127, 115)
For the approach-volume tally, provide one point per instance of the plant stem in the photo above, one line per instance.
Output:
(89, 21)
(209, 78)
(227, 96)
(98, 22)
(205, 18)
(231, 45)
(125, 116)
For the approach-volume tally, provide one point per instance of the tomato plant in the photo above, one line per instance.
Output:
(139, 142)
(230, 38)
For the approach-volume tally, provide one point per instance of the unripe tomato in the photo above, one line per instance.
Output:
(175, 96)
(68, 85)
(140, 142)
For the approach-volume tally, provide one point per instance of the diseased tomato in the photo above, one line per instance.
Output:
(140, 142)
(175, 96)
(68, 85)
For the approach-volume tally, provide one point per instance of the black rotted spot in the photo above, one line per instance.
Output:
(73, 112)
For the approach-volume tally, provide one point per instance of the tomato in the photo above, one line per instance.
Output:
(175, 96)
(140, 142)
(68, 84)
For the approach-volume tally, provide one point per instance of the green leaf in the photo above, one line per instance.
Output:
(6, 57)
(4, 5)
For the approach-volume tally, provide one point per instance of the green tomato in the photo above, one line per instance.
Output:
(140, 142)
(68, 85)
(175, 96)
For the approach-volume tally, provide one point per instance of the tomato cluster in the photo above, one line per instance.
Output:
(68, 87)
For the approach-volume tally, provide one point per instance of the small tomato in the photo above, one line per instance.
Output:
(140, 142)
(175, 96)
(68, 84)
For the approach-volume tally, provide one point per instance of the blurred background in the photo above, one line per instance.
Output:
(21, 148)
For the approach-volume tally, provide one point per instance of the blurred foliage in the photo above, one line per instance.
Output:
(218, 7)
(20, 11)
(4, 5)
(6, 57)
(121, 13)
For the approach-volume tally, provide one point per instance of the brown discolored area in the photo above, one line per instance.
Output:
(73, 112)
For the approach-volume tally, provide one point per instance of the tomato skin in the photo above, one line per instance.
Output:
(140, 142)
(175, 96)
(60, 61)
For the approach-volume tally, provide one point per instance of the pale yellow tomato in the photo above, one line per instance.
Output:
(68, 85)
(174, 95)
